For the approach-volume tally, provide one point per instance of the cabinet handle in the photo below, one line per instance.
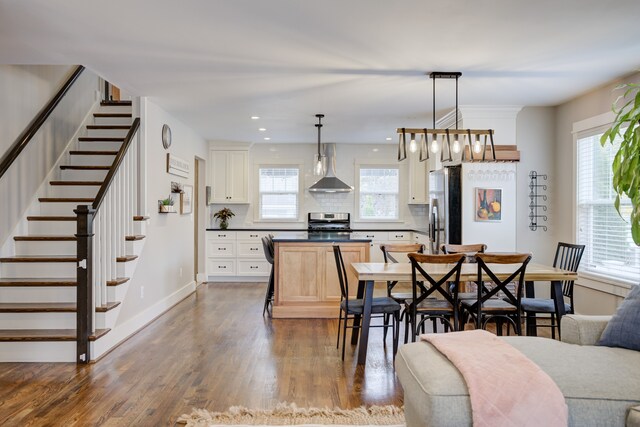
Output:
(222, 249)
(369, 236)
(253, 235)
(253, 266)
(401, 235)
(222, 235)
(222, 266)
(253, 249)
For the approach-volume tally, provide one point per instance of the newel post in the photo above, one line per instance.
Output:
(84, 287)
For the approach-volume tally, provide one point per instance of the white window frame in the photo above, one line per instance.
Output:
(257, 204)
(360, 166)
(603, 283)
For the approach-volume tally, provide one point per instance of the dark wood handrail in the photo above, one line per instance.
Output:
(25, 137)
(116, 164)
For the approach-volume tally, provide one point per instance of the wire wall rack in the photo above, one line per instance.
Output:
(537, 201)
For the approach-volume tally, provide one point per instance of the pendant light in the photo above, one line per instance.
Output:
(319, 160)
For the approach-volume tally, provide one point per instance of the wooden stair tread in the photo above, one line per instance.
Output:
(109, 127)
(45, 334)
(51, 218)
(102, 115)
(40, 258)
(37, 307)
(100, 139)
(85, 168)
(65, 199)
(20, 282)
(140, 218)
(109, 306)
(136, 237)
(82, 183)
(118, 281)
(45, 238)
(125, 258)
(116, 103)
(92, 153)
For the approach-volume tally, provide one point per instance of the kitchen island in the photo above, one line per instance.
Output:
(306, 278)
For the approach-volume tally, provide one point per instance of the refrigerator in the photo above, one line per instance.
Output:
(455, 193)
(445, 218)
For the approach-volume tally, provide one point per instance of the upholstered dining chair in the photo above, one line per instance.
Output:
(267, 245)
(351, 307)
(485, 308)
(425, 286)
(567, 257)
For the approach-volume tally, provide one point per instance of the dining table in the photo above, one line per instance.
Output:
(368, 273)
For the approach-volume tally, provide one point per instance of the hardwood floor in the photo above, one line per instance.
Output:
(213, 350)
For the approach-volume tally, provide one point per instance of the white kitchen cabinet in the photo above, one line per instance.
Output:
(418, 180)
(381, 237)
(229, 177)
(237, 255)
(422, 239)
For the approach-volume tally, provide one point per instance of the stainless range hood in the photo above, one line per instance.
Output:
(330, 183)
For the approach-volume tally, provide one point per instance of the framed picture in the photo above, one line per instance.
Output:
(488, 204)
(186, 199)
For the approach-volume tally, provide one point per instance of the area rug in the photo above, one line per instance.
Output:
(288, 414)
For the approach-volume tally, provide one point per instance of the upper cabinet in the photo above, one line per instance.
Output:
(418, 180)
(229, 177)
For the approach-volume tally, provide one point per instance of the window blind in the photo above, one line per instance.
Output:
(379, 188)
(278, 193)
(609, 248)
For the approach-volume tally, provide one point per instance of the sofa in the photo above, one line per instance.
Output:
(601, 385)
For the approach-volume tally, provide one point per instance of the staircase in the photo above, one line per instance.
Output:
(38, 284)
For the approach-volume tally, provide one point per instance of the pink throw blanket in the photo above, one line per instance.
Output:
(505, 387)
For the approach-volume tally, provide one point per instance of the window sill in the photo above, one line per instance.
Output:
(374, 221)
(601, 283)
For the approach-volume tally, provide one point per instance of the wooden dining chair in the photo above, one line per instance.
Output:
(351, 307)
(422, 302)
(394, 253)
(567, 257)
(470, 252)
(267, 245)
(485, 307)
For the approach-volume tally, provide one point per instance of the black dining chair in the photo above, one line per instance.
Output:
(422, 302)
(470, 252)
(350, 307)
(267, 245)
(485, 307)
(567, 257)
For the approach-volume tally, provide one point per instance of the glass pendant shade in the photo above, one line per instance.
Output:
(434, 147)
(477, 147)
(413, 145)
(319, 165)
(455, 147)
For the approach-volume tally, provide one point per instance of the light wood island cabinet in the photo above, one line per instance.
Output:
(306, 278)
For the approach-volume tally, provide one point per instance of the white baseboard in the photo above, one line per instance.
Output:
(201, 277)
(133, 325)
(237, 278)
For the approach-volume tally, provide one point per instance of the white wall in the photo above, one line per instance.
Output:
(166, 264)
(348, 155)
(25, 90)
(591, 297)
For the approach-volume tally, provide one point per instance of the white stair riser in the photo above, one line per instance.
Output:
(45, 247)
(117, 293)
(38, 294)
(52, 228)
(98, 146)
(83, 175)
(37, 320)
(59, 208)
(114, 109)
(112, 120)
(72, 190)
(126, 269)
(38, 269)
(91, 160)
(134, 247)
(107, 319)
(111, 133)
(140, 227)
(38, 351)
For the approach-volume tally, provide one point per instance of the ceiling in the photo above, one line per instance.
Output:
(214, 64)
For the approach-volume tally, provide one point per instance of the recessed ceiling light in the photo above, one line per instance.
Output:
(267, 138)
(388, 139)
(262, 129)
(254, 117)
(375, 150)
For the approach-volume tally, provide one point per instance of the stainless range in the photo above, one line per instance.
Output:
(329, 226)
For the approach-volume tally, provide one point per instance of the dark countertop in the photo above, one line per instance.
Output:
(307, 239)
(293, 230)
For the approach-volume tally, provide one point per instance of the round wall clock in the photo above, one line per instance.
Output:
(166, 136)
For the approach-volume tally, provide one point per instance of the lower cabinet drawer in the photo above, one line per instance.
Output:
(250, 249)
(253, 268)
(217, 267)
(399, 236)
(217, 248)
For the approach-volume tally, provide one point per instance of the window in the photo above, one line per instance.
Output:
(379, 188)
(609, 250)
(278, 192)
